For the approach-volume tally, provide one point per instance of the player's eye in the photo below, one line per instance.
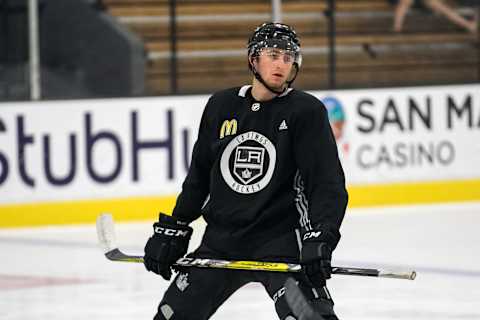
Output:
(288, 57)
(275, 54)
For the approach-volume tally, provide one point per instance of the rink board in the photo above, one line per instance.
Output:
(133, 209)
(64, 162)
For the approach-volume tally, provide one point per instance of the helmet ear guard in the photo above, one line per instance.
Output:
(299, 60)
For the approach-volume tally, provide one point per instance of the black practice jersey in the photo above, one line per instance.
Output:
(260, 170)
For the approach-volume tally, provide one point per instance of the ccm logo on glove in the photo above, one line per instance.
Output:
(171, 232)
(311, 234)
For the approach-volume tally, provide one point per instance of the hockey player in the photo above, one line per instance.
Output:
(266, 177)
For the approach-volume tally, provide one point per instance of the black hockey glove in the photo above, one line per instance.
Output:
(168, 243)
(315, 258)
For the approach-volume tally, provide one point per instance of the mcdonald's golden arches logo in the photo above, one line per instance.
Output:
(229, 127)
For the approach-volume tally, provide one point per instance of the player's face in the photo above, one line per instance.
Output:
(275, 66)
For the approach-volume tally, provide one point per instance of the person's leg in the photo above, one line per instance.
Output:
(443, 9)
(198, 292)
(401, 10)
(299, 304)
(318, 299)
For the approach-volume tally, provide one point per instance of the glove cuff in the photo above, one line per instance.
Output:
(170, 220)
(321, 235)
(169, 226)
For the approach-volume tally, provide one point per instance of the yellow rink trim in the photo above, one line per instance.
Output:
(147, 208)
(414, 193)
(78, 212)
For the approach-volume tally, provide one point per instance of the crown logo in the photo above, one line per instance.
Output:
(246, 174)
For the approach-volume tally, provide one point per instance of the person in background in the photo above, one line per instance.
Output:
(437, 6)
(336, 117)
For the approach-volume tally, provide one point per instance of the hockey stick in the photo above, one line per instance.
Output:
(106, 237)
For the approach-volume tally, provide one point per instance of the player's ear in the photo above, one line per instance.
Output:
(253, 61)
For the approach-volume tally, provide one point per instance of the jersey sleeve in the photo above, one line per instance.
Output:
(317, 159)
(195, 187)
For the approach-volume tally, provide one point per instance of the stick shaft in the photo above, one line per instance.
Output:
(106, 237)
(117, 255)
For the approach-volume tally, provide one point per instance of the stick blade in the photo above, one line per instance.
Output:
(117, 255)
(106, 232)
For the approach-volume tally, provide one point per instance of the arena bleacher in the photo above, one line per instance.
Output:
(211, 39)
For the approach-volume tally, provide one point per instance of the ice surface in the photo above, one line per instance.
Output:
(61, 273)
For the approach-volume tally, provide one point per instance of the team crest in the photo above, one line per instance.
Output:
(248, 162)
(182, 281)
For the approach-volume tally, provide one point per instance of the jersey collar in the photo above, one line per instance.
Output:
(243, 91)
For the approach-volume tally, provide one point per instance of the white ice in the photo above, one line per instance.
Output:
(60, 272)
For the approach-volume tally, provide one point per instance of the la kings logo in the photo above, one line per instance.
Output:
(248, 162)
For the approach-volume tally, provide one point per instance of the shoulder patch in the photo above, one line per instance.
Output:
(228, 128)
